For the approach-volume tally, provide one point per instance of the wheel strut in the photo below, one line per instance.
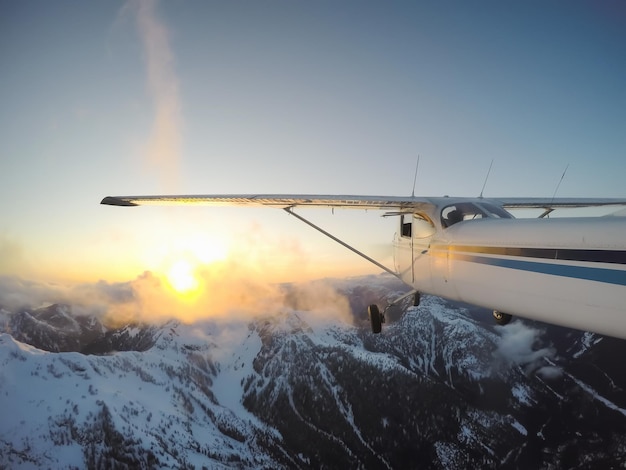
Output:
(377, 318)
(501, 317)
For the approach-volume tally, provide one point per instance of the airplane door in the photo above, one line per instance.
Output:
(411, 247)
(403, 249)
(423, 231)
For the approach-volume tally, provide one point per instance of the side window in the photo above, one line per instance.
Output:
(405, 226)
(495, 212)
(455, 213)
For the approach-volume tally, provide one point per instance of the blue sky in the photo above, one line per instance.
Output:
(289, 97)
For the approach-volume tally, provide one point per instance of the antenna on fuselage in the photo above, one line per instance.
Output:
(415, 176)
(486, 178)
(559, 183)
(548, 210)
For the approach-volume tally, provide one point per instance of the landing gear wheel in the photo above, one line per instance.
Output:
(416, 299)
(502, 318)
(376, 318)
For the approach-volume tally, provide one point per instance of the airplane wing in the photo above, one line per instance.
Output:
(396, 203)
(275, 200)
(554, 203)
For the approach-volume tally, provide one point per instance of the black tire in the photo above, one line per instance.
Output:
(376, 320)
(416, 299)
(502, 318)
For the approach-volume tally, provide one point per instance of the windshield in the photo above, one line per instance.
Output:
(455, 213)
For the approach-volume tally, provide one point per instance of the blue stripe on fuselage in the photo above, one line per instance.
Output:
(609, 276)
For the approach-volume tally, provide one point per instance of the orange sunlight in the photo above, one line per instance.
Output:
(181, 277)
(187, 256)
(195, 276)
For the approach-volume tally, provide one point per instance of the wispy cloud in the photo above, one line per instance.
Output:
(163, 149)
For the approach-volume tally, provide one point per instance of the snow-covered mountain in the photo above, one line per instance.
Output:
(441, 387)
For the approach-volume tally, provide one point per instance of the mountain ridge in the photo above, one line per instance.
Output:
(439, 388)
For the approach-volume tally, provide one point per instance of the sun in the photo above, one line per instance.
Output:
(181, 277)
(186, 258)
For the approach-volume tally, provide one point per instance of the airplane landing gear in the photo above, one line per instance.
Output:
(501, 317)
(376, 318)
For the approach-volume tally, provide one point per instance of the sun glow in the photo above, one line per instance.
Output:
(181, 277)
(184, 261)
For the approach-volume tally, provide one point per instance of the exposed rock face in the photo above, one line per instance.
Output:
(55, 329)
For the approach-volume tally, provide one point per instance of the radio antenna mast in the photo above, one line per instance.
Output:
(559, 184)
(415, 176)
(486, 178)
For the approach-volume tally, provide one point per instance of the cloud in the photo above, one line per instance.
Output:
(228, 291)
(94, 299)
(163, 149)
(240, 286)
(320, 297)
(517, 343)
(17, 293)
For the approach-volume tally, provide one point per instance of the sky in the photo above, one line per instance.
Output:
(322, 97)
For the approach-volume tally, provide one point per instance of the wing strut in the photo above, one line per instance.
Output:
(342, 243)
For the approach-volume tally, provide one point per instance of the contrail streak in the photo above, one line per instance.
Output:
(163, 148)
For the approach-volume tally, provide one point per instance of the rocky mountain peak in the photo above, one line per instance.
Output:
(441, 387)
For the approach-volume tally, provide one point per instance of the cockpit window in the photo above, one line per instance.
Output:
(455, 213)
(495, 211)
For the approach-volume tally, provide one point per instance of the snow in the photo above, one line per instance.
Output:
(587, 340)
(236, 364)
(132, 331)
(184, 396)
(142, 391)
(521, 429)
(609, 404)
(522, 393)
(448, 454)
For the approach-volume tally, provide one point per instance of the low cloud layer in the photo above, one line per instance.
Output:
(227, 290)
(519, 346)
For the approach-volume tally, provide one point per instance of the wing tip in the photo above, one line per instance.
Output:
(117, 201)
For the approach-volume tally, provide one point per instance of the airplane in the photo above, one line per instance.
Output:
(568, 271)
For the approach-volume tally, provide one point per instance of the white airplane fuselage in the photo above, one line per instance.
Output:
(566, 271)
